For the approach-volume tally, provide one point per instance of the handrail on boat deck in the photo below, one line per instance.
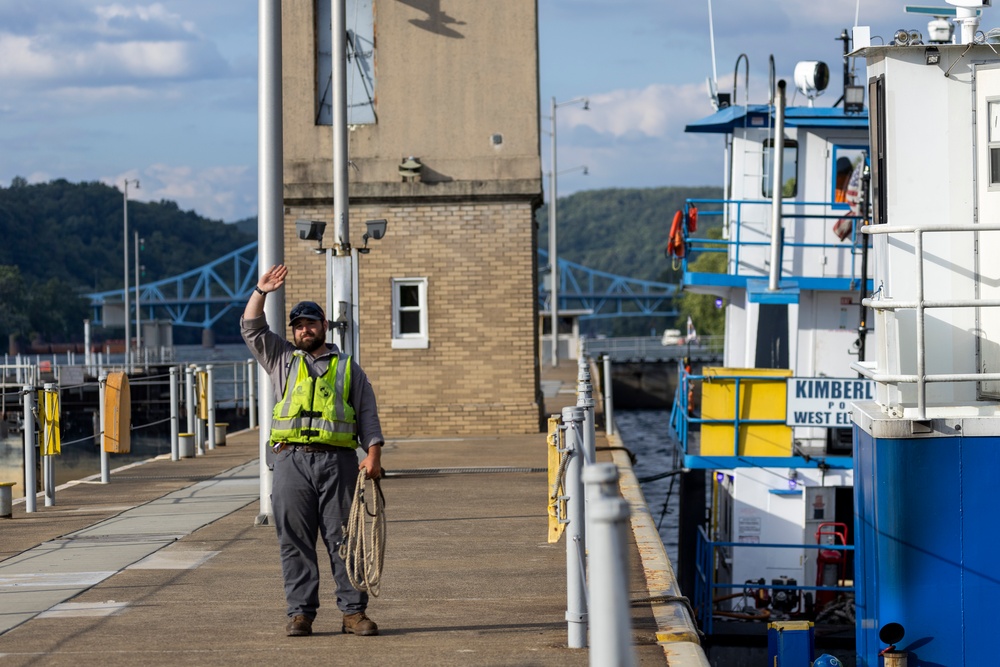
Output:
(705, 574)
(701, 244)
(878, 302)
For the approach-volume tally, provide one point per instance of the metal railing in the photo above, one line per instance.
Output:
(706, 584)
(920, 304)
(651, 348)
(220, 387)
(697, 245)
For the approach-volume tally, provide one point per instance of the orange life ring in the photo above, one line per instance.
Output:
(675, 242)
(692, 220)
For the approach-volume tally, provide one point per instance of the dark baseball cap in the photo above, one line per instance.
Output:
(308, 310)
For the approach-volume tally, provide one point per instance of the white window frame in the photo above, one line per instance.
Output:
(409, 341)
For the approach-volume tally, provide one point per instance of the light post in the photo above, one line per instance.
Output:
(553, 254)
(138, 305)
(128, 329)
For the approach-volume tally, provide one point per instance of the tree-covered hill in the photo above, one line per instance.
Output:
(62, 239)
(621, 231)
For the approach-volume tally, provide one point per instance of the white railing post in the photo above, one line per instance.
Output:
(30, 483)
(210, 407)
(609, 404)
(174, 416)
(105, 457)
(576, 532)
(610, 617)
(251, 393)
(189, 399)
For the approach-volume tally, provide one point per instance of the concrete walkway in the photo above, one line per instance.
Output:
(164, 566)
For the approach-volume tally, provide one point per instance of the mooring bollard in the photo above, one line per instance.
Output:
(6, 500)
(220, 433)
(185, 445)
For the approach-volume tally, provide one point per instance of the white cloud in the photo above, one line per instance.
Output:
(140, 45)
(220, 192)
(658, 110)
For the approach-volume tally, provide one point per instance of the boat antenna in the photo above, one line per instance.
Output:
(848, 75)
(714, 86)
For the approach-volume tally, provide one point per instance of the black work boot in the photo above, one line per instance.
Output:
(299, 626)
(359, 624)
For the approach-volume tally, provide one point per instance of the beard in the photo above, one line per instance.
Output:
(309, 343)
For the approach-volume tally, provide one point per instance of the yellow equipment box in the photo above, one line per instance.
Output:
(761, 396)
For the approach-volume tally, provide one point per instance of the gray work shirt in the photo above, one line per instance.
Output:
(274, 352)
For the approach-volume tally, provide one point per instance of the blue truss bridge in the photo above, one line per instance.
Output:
(200, 297)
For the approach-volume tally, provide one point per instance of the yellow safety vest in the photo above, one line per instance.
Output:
(315, 410)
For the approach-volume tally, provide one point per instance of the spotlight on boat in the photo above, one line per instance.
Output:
(811, 78)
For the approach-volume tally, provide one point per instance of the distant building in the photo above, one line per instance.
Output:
(448, 305)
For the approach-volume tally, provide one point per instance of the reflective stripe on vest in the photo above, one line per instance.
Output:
(315, 410)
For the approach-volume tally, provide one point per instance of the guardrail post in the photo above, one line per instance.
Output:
(48, 462)
(174, 416)
(30, 482)
(609, 404)
(210, 404)
(189, 397)
(576, 532)
(199, 423)
(102, 382)
(251, 393)
(611, 617)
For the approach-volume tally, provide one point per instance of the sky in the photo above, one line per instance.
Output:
(166, 92)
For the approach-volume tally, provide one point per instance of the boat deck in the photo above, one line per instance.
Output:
(164, 565)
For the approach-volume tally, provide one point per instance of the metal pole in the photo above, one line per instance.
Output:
(30, 483)
(174, 416)
(48, 462)
(128, 315)
(251, 393)
(576, 532)
(776, 187)
(270, 217)
(105, 456)
(341, 287)
(189, 397)
(199, 423)
(611, 626)
(138, 306)
(585, 402)
(210, 399)
(88, 356)
(609, 403)
(553, 251)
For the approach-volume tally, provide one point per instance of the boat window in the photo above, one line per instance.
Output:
(994, 141)
(409, 313)
(876, 125)
(789, 168)
(845, 160)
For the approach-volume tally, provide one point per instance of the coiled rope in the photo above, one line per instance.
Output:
(363, 548)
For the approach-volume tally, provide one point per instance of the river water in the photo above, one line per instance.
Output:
(645, 434)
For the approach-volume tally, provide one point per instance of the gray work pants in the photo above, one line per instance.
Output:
(312, 493)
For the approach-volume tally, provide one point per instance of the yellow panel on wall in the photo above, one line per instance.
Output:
(759, 398)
